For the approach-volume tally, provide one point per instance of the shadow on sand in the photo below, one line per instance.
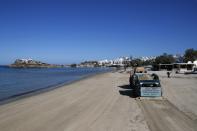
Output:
(128, 91)
(125, 87)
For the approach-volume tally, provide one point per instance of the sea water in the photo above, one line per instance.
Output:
(15, 82)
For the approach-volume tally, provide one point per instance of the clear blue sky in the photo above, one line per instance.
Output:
(76, 30)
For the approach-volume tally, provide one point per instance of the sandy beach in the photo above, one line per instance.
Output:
(103, 103)
(91, 104)
(177, 109)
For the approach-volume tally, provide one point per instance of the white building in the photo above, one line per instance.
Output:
(146, 58)
(105, 62)
(195, 63)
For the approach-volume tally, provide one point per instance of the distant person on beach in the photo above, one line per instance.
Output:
(125, 67)
(168, 73)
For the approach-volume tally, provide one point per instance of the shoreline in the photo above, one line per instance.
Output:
(24, 95)
(92, 103)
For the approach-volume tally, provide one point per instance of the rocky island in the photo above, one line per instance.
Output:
(30, 63)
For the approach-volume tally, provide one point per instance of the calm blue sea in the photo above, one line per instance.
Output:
(17, 82)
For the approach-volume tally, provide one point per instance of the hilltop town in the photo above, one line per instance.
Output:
(124, 61)
(165, 61)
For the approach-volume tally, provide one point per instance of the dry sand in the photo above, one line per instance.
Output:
(161, 115)
(93, 104)
(181, 90)
(177, 110)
